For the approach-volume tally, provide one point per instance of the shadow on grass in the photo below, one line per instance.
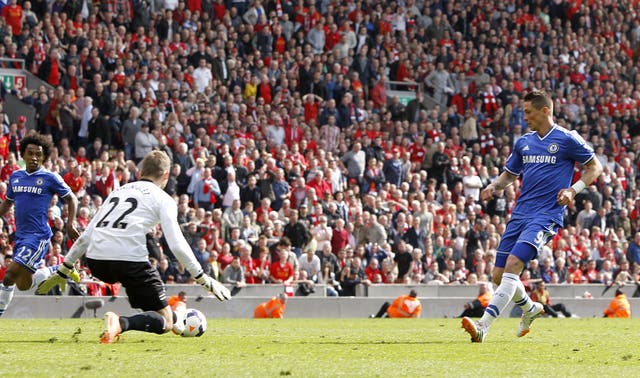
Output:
(381, 342)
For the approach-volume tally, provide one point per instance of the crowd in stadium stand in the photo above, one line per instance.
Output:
(291, 162)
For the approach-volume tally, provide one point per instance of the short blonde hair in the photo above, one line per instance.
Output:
(155, 164)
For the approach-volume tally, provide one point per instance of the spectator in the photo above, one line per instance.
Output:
(296, 232)
(202, 76)
(354, 161)
(633, 251)
(310, 263)
(233, 273)
(145, 141)
(323, 234)
(232, 192)
(403, 261)
(281, 271)
(206, 191)
(130, 128)
(440, 81)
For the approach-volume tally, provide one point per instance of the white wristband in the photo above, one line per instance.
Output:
(578, 186)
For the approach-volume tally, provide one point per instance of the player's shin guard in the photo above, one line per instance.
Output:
(149, 321)
(501, 298)
(6, 295)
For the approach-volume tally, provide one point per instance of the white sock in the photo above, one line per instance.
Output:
(501, 298)
(6, 294)
(40, 275)
(521, 298)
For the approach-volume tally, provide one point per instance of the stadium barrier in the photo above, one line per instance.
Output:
(557, 291)
(30, 306)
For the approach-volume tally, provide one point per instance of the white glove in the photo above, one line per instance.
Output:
(218, 289)
(59, 278)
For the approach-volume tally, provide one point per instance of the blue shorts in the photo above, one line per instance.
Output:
(30, 252)
(536, 232)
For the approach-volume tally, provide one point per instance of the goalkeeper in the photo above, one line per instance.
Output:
(115, 244)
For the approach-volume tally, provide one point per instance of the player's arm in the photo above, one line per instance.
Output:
(72, 204)
(505, 179)
(590, 172)
(67, 269)
(180, 248)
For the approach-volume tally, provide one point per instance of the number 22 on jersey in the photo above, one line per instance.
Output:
(127, 207)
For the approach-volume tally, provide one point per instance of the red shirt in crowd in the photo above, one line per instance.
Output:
(7, 170)
(371, 273)
(249, 266)
(321, 187)
(281, 271)
(75, 183)
(339, 240)
(13, 16)
(4, 146)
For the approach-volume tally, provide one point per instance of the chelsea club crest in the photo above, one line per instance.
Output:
(553, 148)
(39, 182)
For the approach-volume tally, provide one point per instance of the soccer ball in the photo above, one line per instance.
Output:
(195, 323)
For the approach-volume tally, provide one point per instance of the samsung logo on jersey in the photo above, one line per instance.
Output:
(539, 159)
(27, 189)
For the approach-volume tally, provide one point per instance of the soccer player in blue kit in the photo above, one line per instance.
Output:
(544, 158)
(30, 190)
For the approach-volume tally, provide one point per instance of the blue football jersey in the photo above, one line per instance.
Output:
(545, 165)
(31, 194)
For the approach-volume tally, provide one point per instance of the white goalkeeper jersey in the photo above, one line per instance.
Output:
(118, 230)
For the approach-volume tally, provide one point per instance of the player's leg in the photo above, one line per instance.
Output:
(7, 287)
(158, 322)
(521, 253)
(478, 330)
(535, 235)
(27, 257)
(496, 276)
(30, 270)
(145, 290)
(507, 290)
(15, 276)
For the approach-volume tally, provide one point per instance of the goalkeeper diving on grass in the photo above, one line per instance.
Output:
(116, 251)
(544, 159)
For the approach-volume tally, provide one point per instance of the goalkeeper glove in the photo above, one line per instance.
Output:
(218, 289)
(59, 278)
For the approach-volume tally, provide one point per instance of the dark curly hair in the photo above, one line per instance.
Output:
(38, 140)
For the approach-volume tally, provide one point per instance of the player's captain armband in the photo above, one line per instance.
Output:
(578, 186)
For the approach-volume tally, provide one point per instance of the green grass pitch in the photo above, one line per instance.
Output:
(324, 348)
